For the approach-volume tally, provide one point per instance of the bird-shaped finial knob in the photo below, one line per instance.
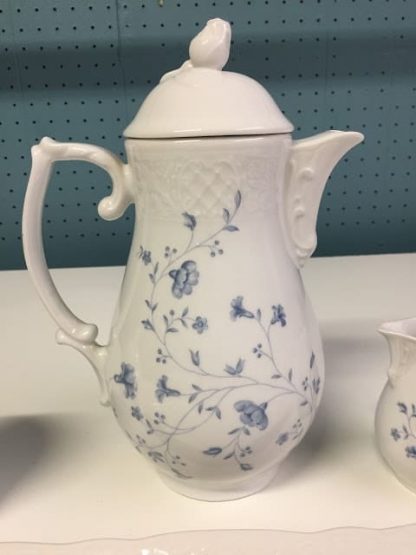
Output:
(211, 47)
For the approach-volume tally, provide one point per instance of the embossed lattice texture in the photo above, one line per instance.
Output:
(77, 70)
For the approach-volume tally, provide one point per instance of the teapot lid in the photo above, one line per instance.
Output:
(201, 100)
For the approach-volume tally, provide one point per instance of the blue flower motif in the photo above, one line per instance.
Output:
(411, 451)
(200, 324)
(162, 389)
(316, 385)
(282, 438)
(237, 309)
(136, 413)
(278, 315)
(395, 434)
(252, 415)
(184, 279)
(147, 257)
(128, 379)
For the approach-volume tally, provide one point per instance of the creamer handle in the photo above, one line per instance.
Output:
(72, 331)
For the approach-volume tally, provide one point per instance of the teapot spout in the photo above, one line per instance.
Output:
(310, 164)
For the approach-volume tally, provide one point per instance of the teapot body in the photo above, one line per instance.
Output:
(214, 368)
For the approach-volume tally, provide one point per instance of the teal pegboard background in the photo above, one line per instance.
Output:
(77, 70)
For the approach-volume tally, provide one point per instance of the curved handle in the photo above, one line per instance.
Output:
(72, 331)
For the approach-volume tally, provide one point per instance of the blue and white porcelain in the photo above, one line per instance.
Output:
(396, 410)
(214, 368)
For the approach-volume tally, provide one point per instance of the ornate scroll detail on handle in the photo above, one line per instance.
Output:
(113, 206)
(310, 164)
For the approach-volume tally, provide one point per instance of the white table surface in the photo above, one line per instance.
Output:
(67, 473)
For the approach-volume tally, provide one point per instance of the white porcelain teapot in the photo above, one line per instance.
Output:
(214, 368)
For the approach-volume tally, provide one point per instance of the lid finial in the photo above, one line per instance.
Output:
(211, 47)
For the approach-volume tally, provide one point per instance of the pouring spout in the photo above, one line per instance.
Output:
(401, 339)
(310, 164)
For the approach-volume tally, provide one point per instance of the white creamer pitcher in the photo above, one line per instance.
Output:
(395, 422)
(214, 368)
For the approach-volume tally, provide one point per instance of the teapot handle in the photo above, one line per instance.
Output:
(72, 331)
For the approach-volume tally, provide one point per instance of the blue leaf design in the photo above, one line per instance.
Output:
(213, 451)
(402, 408)
(231, 228)
(237, 199)
(147, 325)
(246, 466)
(290, 375)
(218, 413)
(189, 221)
(234, 371)
(195, 357)
(312, 361)
(171, 330)
(228, 456)
(240, 366)
(226, 215)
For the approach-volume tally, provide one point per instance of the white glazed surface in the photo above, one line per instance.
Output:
(396, 410)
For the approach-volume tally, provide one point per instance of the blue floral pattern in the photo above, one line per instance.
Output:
(127, 378)
(162, 389)
(211, 391)
(407, 432)
(252, 414)
(279, 315)
(200, 325)
(184, 279)
(238, 310)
